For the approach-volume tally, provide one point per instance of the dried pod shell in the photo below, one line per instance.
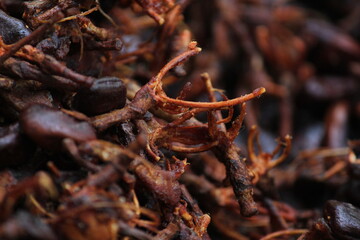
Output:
(48, 126)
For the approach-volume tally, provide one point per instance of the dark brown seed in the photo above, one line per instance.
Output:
(12, 29)
(343, 219)
(14, 147)
(105, 94)
(48, 126)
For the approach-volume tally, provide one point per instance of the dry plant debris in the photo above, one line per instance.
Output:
(157, 119)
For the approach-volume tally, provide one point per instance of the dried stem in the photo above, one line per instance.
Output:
(284, 232)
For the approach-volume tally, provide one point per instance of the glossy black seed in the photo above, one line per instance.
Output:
(48, 127)
(105, 94)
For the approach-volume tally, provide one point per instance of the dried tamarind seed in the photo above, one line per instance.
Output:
(48, 126)
(12, 29)
(105, 94)
(15, 148)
